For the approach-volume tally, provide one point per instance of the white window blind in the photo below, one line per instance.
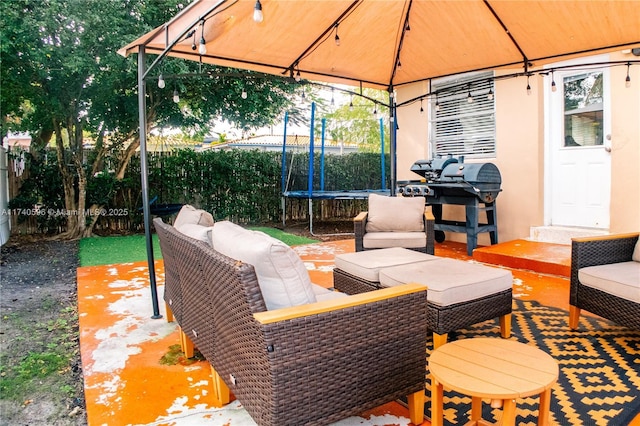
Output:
(460, 127)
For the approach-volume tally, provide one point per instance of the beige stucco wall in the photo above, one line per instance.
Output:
(520, 130)
(625, 148)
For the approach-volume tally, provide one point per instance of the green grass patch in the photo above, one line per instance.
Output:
(288, 239)
(52, 348)
(120, 249)
(133, 248)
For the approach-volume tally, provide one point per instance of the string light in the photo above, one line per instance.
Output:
(161, 83)
(627, 81)
(528, 86)
(257, 12)
(351, 104)
(554, 88)
(333, 102)
(490, 94)
(244, 94)
(469, 97)
(176, 96)
(193, 42)
(202, 49)
(297, 77)
(337, 38)
(399, 64)
(421, 109)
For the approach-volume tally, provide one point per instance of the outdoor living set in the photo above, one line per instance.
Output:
(277, 342)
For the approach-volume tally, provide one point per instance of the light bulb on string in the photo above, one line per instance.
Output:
(297, 77)
(490, 94)
(337, 37)
(257, 12)
(528, 86)
(627, 81)
(554, 88)
(333, 101)
(469, 97)
(161, 82)
(193, 42)
(437, 103)
(351, 103)
(421, 109)
(176, 96)
(202, 48)
(244, 94)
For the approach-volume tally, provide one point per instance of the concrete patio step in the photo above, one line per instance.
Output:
(542, 257)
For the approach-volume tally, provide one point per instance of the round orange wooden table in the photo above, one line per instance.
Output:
(496, 369)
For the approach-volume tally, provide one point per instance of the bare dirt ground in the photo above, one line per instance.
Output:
(39, 328)
(41, 375)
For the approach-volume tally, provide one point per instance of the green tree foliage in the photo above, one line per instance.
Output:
(63, 79)
(359, 121)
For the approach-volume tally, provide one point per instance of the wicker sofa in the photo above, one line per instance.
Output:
(605, 279)
(312, 363)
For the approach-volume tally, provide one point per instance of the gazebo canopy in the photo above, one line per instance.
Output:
(391, 43)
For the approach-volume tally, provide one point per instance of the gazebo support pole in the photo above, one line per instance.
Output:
(392, 142)
(144, 173)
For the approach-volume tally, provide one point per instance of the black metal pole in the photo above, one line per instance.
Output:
(144, 173)
(392, 141)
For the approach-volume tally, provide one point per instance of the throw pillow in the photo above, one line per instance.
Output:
(196, 231)
(401, 214)
(284, 280)
(189, 214)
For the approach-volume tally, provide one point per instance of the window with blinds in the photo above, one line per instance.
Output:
(462, 119)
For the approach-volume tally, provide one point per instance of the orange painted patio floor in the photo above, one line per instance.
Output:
(121, 346)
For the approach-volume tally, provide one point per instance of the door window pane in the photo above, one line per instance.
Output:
(583, 116)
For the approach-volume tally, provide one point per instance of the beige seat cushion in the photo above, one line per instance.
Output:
(395, 214)
(450, 281)
(619, 279)
(636, 252)
(189, 214)
(367, 264)
(284, 280)
(377, 240)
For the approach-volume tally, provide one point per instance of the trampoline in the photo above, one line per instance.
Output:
(322, 194)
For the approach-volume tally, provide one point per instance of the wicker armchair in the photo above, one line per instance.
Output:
(360, 226)
(311, 364)
(592, 251)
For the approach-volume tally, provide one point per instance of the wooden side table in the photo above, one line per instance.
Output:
(495, 369)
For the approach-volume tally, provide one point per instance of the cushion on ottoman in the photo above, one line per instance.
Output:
(367, 264)
(450, 281)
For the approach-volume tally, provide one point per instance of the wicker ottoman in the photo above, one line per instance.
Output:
(358, 272)
(460, 293)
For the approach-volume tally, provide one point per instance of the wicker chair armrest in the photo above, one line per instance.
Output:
(284, 314)
(359, 224)
(429, 229)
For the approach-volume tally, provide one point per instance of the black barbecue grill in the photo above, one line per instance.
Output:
(448, 180)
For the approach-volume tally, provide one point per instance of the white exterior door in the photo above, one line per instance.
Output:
(578, 181)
